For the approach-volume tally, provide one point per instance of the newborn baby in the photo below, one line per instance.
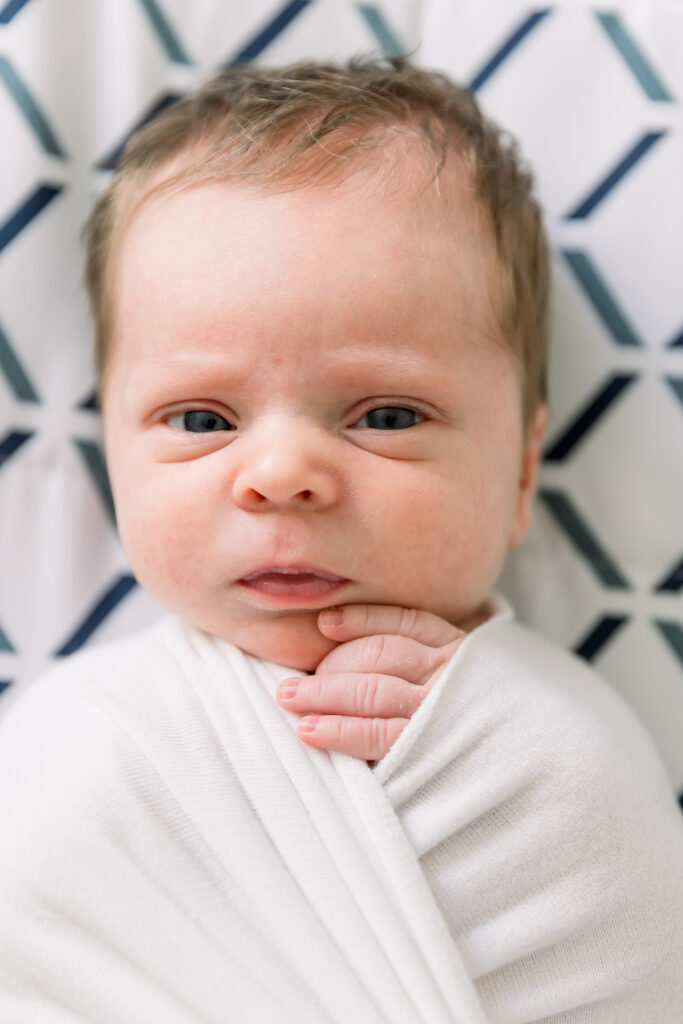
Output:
(320, 297)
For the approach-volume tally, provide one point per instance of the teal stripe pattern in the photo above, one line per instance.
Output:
(673, 634)
(93, 457)
(635, 60)
(603, 303)
(676, 385)
(583, 540)
(30, 109)
(14, 372)
(5, 645)
(379, 27)
(167, 37)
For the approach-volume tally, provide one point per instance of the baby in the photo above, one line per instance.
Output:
(322, 377)
(320, 298)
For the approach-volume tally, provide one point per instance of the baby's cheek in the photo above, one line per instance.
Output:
(455, 557)
(159, 541)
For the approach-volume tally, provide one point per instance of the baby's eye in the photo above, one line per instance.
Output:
(389, 417)
(199, 421)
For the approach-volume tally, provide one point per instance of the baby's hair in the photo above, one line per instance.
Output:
(314, 123)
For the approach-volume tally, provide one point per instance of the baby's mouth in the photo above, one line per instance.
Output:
(293, 581)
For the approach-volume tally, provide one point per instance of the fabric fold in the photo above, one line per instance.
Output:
(217, 868)
(398, 942)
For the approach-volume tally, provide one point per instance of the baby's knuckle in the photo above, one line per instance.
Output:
(377, 730)
(408, 621)
(339, 729)
(374, 649)
(323, 692)
(367, 694)
(367, 612)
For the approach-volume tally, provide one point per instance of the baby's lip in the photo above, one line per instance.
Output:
(293, 570)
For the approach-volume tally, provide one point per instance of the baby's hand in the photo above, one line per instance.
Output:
(365, 690)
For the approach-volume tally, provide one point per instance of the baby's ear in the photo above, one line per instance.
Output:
(529, 475)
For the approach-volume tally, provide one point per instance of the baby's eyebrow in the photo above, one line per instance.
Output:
(193, 369)
(352, 364)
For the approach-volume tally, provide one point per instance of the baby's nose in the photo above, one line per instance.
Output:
(285, 466)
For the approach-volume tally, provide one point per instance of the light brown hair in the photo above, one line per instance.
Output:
(293, 127)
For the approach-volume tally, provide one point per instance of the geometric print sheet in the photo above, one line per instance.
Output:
(593, 95)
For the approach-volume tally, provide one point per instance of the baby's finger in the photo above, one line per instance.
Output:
(349, 621)
(388, 656)
(366, 738)
(365, 695)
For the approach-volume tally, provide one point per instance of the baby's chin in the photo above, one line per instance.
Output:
(292, 640)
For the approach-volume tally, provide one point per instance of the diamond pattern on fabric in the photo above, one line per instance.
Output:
(593, 96)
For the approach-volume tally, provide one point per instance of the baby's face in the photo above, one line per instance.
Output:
(311, 380)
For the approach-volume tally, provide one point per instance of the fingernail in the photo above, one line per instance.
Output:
(309, 723)
(332, 616)
(287, 690)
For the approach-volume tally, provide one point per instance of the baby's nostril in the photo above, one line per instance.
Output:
(306, 495)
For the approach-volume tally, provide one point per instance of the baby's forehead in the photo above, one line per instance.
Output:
(416, 224)
(398, 165)
(405, 228)
(402, 218)
(291, 279)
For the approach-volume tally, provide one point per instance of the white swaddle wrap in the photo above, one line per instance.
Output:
(207, 865)
(173, 853)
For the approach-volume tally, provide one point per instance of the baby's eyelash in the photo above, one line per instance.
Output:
(394, 417)
(388, 417)
(199, 421)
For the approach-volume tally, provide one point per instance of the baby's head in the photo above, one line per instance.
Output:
(320, 299)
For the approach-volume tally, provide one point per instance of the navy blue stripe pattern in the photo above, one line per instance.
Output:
(104, 607)
(11, 443)
(269, 32)
(589, 415)
(510, 44)
(583, 539)
(673, 581)
(89, 403)
(109, 162)
(10, 10)
(604, 631)
(626, 164)
(28, 210)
